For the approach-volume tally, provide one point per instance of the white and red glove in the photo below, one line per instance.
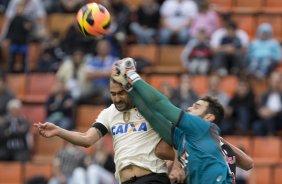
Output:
(124, 72)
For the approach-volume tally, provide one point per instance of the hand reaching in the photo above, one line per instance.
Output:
(121, 69)
(177, 174)
(47, 129)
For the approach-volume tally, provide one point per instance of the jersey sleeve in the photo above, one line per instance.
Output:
(193, 126)
(102, 121)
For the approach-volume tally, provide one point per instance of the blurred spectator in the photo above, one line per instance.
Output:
(197, 55)
(270, 108)
(176, 19)
(229, 53)
(98, 70)
(3, 5)
(264, 52)
(207, 20)
(185, 94)
(66, 161)
(215, 91)
(34, 10)
(4, 153)
(17, 132)
(99, 168)
(59, 106)
(62, 6)
(119, 28)
(72, 71)
(5, 96)
(73, 39)
(147, 22)
(71, 6)
(240, 111)
(52, 54)
(122, 15)
(168, 90)
(18, 36)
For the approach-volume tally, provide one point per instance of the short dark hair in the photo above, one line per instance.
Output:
(215, 108)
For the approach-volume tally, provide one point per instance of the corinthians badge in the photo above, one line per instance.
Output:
(126, 117)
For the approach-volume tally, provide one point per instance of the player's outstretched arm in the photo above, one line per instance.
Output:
(153, 99)
(81, 139)
(243, 160)
(156, 120)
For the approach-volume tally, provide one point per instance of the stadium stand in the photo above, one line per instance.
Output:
(34, 169)
(39, 86)
(8, 177)
(148, 52)
(249, 24)
(45, 149)
(17, 83)
(200, 84)
(250, 7)
(222, 5)
(86, 115)
(34, 112)
(261, 175)
(266, 150)
(242, 142)
(229, 84)
(156, 80)
(277, 175)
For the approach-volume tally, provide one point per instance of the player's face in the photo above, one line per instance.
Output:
(198, 108)
(120, 97)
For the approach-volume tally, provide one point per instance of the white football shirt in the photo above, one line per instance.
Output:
(134, 140)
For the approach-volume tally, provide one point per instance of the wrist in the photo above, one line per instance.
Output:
(133, 76)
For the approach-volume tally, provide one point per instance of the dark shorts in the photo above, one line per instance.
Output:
(153, 178)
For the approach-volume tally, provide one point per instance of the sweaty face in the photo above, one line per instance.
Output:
(120, 97)
(198, 108)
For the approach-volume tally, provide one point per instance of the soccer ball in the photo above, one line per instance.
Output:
(93, 20)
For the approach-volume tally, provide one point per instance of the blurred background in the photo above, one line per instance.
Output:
(230, 49)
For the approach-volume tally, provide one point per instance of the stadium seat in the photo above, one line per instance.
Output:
(32, 169)
(277, 175)
(249, 24)
(86, 115)
(243, 142)
(250, 7)
(133, 4)
(46, 148)
(170, 56)
(261, 175)
(17, 84)
(259, 87)
(60, 22)
(34, 112)
(229, 85)
(200, 84)
(222, 5)
(275, 21)
(11, 173)
(267, 150)
(39, 87)
(156, 80)
(148, 52)
(273, 6)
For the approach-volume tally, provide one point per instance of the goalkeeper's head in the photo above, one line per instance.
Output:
(119, 96)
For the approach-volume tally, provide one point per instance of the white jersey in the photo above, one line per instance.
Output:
(134, 140)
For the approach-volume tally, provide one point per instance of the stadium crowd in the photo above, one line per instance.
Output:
(213, 46)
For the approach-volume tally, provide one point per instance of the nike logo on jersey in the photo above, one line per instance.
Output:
(129, 128)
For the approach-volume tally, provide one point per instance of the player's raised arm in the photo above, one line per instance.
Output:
(243, 160)
(85, 139)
